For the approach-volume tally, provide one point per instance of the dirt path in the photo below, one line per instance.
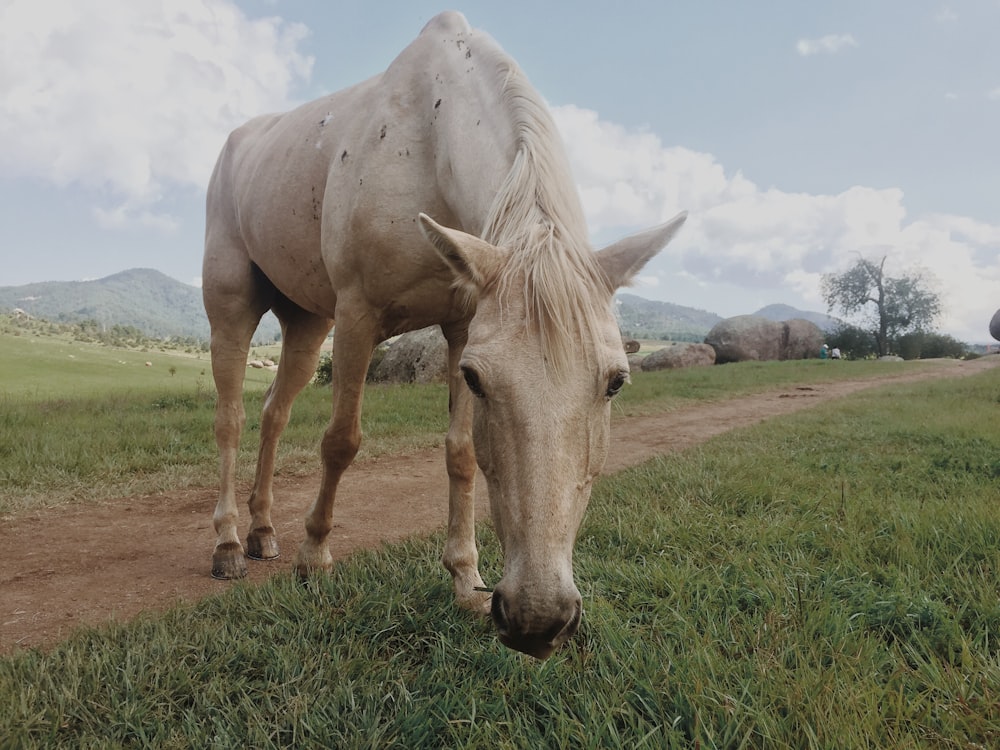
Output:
(86, 566)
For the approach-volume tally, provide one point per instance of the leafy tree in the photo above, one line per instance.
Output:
(888, 307)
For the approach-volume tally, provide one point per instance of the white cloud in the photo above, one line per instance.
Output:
(829, 44)
(642, 280)
(946, 15)
(769, 245)
(128, 98)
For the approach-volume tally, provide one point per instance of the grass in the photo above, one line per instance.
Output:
(671, 389)
(827, 579)
(81, 422)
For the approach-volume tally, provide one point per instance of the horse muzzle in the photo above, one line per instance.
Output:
(537, 634)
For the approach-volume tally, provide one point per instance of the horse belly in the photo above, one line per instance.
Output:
(294, 265)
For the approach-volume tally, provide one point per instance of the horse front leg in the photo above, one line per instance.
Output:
(352, 351)
(461, 556)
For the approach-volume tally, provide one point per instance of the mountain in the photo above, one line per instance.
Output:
(163, 307)
(647, 319)
(142, 298)
(781, 313)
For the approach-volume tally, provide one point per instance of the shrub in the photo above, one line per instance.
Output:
(852, 341)
(324, 368)
(921, 345)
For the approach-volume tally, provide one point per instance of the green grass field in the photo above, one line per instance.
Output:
(83, 422)
(827, 579)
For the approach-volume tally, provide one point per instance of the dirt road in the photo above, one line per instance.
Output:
(86, 566)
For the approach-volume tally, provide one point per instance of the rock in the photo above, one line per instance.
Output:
(745, 338)
(802, 339)
(995, 325)
(635, 361)
(751, 338)
(890, 358)
(415, 357)
(679, 355)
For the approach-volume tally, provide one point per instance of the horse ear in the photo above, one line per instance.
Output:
(474, 261)
(625, 258)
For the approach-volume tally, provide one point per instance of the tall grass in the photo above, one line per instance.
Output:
(828, 579)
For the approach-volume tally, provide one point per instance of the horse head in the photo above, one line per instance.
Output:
(542, 370)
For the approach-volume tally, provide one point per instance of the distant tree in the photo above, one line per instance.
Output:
(853, 342)
(887, 307)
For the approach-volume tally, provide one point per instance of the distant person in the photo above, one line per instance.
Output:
(824, 351)
(835, 353)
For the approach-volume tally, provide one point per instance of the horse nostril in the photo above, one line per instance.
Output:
(563, 628)
(498, 612)
(574, 622)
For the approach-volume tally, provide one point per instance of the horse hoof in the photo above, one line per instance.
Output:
(228, 562)
(312, 560)
(478, 602)
(262, 545)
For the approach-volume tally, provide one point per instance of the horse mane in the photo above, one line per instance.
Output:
(537, 216)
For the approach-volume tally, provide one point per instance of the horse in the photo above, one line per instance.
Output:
(435, 193)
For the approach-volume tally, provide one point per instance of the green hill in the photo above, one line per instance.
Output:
(162, 307)
(647, 319)
(142, 298)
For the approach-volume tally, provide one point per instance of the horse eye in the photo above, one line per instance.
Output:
(616, 383)
(472, 380)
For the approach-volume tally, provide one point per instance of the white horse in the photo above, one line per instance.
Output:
(323, 214)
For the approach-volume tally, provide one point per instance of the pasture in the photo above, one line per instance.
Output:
(826, 579)
(124, 428)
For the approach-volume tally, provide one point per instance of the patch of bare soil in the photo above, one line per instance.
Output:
(63, 569)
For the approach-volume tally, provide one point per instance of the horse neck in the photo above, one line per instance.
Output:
(473, 160)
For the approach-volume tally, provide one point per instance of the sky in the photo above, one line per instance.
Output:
(800, 136)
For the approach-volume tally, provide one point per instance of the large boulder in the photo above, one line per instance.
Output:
(995, 325)
(802, 339)
(679, 355)
(751, 338)
(415, 357)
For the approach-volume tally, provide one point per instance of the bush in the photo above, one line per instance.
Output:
(324, 368)
(920, 345)
(853, 342)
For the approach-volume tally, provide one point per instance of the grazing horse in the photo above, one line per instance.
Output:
(322, 215)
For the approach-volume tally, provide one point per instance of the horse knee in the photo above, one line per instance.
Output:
(460, 457)
(339, 448)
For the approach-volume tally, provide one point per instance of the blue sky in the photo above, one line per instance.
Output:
(798, 134)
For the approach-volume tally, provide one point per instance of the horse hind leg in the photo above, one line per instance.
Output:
(230, 345)
(354, 339)
(302, 337)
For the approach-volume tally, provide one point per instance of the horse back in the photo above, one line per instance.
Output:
(324, 199)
